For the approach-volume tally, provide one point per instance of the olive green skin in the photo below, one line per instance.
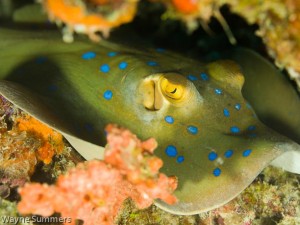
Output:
(73, 88)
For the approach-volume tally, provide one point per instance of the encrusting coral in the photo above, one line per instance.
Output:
(18, 160)
(95, 190)
(51, 141)
(24, 142)
(17, 150)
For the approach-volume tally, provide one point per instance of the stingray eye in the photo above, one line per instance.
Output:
(172, 90)
(173, 86)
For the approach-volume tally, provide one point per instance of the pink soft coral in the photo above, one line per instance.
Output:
(94, 191)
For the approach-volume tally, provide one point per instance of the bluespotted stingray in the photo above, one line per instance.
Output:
(208, 135)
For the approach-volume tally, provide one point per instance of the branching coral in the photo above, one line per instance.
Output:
(94, 190)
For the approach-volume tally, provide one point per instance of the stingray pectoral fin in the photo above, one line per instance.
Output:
(212, 184)
(290, 159)
(275, 101)
(30, 103)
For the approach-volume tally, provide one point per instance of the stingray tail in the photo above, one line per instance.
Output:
(289, 160)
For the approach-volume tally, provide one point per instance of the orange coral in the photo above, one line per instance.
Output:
(52, 141)
(187, 6)
(190, 11)
(76, 15)
(95, 190)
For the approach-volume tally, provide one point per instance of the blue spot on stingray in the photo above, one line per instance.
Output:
(226, 112)
(247, 152)
(171, 151)
(112, 54)
(251, 128)
(108, 94)
(152, 63)
(237, 106)
(218, 91)
(217, 172)
(192, 129)
(212, 156)
(104, 68)
(169, 119)
(160, 50)
(180, 159)
(123, 65)
(234, 129)
(204, 76)
(192, 77)
(88, 55)
(52, 87)
(40, 60)
(228, 153)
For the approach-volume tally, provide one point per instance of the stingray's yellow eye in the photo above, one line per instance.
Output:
(174, 91)
(173, 86)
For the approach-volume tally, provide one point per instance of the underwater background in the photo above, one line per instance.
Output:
(273, 197)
